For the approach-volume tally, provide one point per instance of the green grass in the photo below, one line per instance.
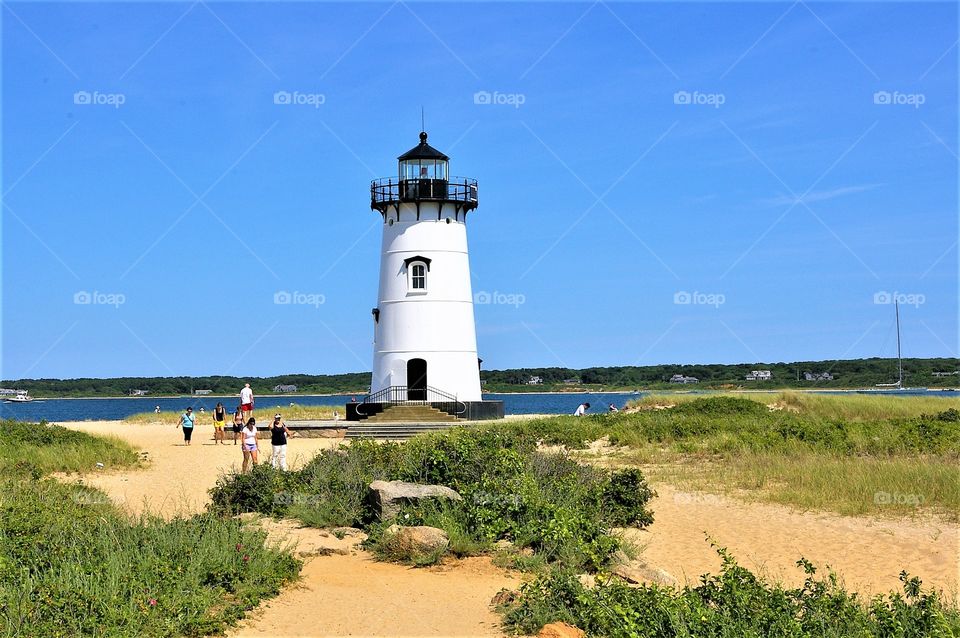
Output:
(41, 448)
(72, 564)
(851, 407)
(264, 415)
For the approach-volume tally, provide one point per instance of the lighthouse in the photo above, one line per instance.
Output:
(424, 336)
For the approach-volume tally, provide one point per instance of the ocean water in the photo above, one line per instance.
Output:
(110, 409)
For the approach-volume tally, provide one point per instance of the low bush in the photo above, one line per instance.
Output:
(35, 449)
(511, 491)
(734, 603)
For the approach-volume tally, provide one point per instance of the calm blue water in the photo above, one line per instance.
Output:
(102, 409)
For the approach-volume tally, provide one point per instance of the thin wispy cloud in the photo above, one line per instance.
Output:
(818, 196)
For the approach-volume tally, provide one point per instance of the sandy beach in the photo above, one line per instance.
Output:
(351, 594)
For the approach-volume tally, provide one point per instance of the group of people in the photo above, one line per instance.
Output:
(245, 430)
(583, 407)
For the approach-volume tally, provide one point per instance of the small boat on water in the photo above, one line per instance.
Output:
(22, 396)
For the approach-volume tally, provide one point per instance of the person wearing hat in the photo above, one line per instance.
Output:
(278, 440)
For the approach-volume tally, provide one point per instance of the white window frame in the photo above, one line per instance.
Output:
(411, 277)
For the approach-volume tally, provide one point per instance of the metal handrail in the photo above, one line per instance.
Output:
(400, 394)
(387, 190)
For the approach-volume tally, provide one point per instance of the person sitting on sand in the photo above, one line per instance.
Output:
(186, 422)
(237, 424)
(278, 441)
(250, 448)
(219, 417)
(582, 409)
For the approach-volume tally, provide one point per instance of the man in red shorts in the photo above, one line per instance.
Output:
(246, 402)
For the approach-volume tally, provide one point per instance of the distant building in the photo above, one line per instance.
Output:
(201, 393)
(946, 374)
(572, 381)
(759, 375)
(284, 388)
(535, 381)
(8, 391)
(817, 376)
(139, 393)
(680, 378)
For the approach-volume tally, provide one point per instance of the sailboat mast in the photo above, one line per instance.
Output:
(899, 359)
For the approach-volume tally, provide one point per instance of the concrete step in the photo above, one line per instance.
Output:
(412, 414)
(393, 431)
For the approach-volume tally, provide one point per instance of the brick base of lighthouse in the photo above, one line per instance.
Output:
(474, 410)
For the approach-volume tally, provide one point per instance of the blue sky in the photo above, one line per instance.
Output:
(659, 183)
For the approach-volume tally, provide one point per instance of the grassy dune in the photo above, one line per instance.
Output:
(290, 413)
(848, 454)
(851, 407)
(39, 448)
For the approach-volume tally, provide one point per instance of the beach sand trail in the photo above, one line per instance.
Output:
(341, 595)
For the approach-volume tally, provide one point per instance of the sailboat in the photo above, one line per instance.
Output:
(899, 384)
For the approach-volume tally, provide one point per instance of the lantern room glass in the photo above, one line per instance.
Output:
(423, 169)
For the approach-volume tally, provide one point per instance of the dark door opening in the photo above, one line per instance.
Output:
(417, 380)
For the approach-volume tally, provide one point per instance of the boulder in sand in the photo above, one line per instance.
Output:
(560, 630)
(417, 540)
(386, 497)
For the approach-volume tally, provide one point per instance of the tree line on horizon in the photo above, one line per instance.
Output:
(846, 374)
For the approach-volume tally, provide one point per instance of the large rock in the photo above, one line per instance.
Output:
(417, 540)
(637, 573)
(386, 497)
(560, 630)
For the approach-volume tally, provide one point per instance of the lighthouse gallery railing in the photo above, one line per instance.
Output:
(397, 394)
(391, 189)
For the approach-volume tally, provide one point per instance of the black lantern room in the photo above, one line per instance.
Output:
(423, 175)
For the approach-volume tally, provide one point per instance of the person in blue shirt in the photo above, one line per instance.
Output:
(186, 422)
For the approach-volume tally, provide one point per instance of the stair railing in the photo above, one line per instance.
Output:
(400, 395)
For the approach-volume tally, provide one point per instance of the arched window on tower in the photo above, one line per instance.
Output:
(417, 270)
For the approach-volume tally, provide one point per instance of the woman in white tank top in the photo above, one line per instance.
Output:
(250, 449)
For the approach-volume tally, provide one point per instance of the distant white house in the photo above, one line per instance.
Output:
(817, 376)
(759, 375)
(284, 388)
(680, 378)
(139, 393)
(201, 393)
(535, 381)
(4, 391)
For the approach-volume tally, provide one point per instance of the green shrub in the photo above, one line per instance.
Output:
(733, 603)
(34, 449)
(72, 565)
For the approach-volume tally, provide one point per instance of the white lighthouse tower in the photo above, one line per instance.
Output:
(425, 343)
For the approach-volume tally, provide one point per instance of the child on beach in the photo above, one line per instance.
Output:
(186, 422)
(237, 424)
(250, 447)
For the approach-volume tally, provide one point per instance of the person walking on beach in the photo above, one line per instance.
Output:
(250, 447)
(237, 424)
(246, 402)
(186, 422)
(219, 420)
(278, 441)
(582, 409)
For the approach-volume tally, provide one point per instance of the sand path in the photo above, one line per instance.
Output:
(353, 595)
(337, 595)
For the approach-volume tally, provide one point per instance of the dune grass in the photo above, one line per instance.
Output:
(41, 448)
(265, 414)
(851, 407)
(812, 460)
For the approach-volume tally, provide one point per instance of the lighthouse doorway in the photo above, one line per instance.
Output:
(417, 380)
